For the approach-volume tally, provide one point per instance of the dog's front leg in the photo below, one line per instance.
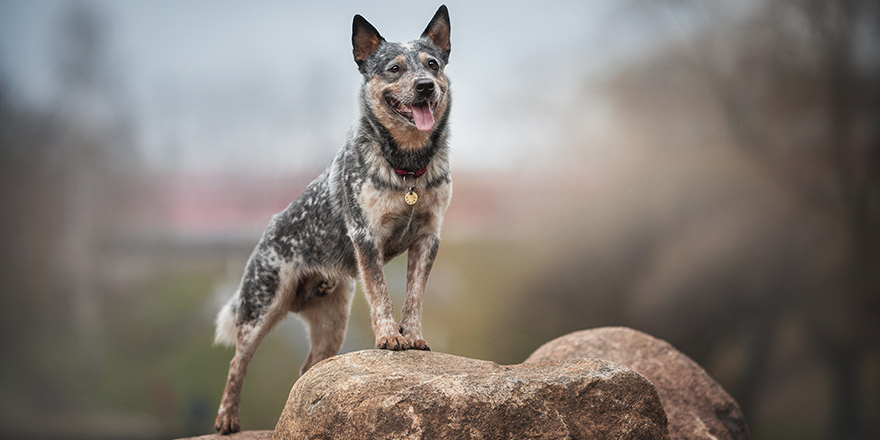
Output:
(420, 258)
(381, 310)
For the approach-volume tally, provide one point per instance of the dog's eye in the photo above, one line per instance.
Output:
(394, 69)
(433, 65)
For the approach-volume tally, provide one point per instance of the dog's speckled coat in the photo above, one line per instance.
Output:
(352, 219)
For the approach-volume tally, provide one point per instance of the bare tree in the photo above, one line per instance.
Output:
(794, 86)
(798, 82)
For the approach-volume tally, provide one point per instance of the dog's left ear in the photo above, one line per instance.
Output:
(365, 40)
(438, 32)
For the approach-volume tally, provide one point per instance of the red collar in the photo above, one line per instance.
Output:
(418, 173)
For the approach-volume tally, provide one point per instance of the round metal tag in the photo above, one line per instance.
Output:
(411, 198)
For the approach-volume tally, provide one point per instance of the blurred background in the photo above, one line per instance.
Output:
(704, 171)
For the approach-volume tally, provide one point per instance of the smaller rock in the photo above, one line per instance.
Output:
(379, 394)
(244, 435)
(696, 406)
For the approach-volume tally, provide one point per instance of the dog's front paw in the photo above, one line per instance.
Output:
(418, 344)
(392, 343)
(227, 424)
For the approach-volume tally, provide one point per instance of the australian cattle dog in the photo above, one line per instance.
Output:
(385, 193)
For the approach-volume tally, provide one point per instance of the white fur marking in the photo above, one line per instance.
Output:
(225, 331)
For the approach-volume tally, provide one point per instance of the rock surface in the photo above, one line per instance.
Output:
(696, 406)
(379, 394)
(244, 435)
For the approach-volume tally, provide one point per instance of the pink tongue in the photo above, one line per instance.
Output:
(423, 117)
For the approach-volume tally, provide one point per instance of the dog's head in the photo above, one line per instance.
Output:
(405, 85)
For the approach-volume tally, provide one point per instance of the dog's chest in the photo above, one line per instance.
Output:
(394, 223)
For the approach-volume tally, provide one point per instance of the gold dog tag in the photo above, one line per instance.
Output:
(411, 198)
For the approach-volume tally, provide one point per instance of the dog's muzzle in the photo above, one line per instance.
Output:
(420, 114)
(425, 88)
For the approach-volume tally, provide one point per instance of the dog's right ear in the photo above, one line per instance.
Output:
(365, 39)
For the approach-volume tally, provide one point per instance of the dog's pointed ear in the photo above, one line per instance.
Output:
(438, 31)
(365, 39)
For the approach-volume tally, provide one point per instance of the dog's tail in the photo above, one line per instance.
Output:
(225, 331)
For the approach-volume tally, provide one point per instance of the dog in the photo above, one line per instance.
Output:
(385, 192)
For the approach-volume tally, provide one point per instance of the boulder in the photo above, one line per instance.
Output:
(696, 406)
(381, 394)
(244, 435)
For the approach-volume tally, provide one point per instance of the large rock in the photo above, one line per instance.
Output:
(696, 406)
(380, 394)
(244, 435)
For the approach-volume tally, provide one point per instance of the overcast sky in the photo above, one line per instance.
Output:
(272, 84)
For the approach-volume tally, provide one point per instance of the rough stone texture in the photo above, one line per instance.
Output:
(379, 394)
(244, 435)
(696, 406)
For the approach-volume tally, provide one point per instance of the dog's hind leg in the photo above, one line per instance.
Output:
(262, 301)
(326, 315)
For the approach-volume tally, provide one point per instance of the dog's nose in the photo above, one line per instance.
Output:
(425, 87)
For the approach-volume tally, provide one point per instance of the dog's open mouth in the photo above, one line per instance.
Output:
(420, 114)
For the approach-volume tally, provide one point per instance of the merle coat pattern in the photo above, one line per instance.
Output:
(353, 218)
